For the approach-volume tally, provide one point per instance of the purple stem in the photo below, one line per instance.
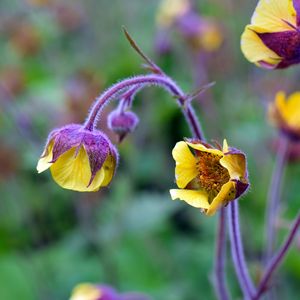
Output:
(160, 80)
(128, 96)
(274, 196)
(220, 281)
(277, 259)
(237, 252)
(135, 84)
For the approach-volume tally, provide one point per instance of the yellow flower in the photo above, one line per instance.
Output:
(272, 39)
(284, 113)
(209, 36)
(170, 10)
(210, 178)
(79, 159)
(86, 291)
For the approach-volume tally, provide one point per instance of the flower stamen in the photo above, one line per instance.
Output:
(212, 175)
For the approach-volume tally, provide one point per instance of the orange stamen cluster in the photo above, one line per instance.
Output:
(212, 175)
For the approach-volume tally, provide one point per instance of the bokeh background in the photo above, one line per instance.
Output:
(56, 57)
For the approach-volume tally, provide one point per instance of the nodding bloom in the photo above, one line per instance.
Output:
(284, 113)
(87, 291)
(272, 40)
(209, 178)
(79, 159)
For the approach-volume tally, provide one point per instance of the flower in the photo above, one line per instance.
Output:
(79, 159)
(170, 10)
(87, 291)
(210, 178)
(284, 113)
(272, 40)
(199, 32)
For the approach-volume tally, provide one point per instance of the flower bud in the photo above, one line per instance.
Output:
(122, 122)
(79, 159)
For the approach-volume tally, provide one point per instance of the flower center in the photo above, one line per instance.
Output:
(212, 175)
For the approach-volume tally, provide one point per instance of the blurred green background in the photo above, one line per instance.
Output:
(56, 56)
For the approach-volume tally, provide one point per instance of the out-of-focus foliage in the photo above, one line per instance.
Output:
(56, 56)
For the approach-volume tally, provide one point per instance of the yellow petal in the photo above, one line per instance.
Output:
(226, 194)
(109, 167)
(73, 172)
(185, 170)
(201, 147)
(198, 199)
(43, 163)
(292, 8)
(255, 50)
(271, 15)
(86, 291)
(210, 37)
(235, 163)
(280, 101)
(225, 146)
(292, 112)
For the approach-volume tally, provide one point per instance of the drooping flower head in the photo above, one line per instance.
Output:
(272, 40)
(284, 113)
(208, 178)
(79, 159)
(87, 291)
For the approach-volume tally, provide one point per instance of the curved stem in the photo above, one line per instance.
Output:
(274, 196)
(146, 80)
(128, 96)
(237, 252)
(277, 259)
(220, 281)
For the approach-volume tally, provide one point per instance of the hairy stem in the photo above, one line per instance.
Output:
(277, 259)
(220, 281)
(237, 252)
(145, 80)
(274, 196)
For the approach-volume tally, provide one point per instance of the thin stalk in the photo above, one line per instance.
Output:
(220, 282)
(277, 259)
(146, 80)
(237, 252)
(274, 196)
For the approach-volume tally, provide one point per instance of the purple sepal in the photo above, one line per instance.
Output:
(241, 188)
(286, 44)
(296, 4)
(133, 296)
(293, 135)
(97, 147)
(66, 138)
(108, 293)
